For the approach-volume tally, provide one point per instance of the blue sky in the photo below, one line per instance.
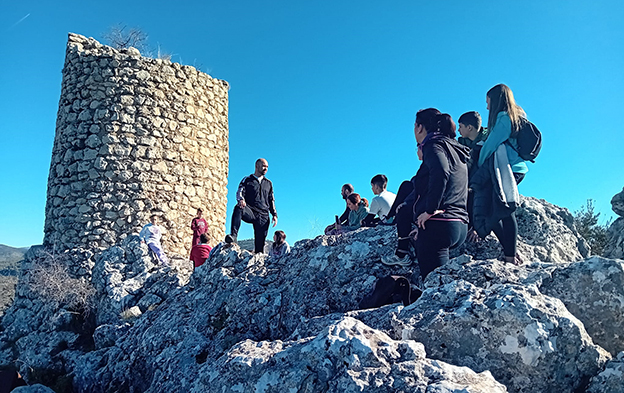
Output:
(327, 91)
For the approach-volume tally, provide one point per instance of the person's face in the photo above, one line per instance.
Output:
(487, 102)
(464, 130)
(199, 213)
(262, 167)
(344, 193)
(275, 238)
(154, 220)
(376, 189)
(419, 132)
(351, 206)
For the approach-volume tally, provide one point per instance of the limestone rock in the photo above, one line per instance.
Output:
(593, 291)
(546, 233)
(615, 235)
(36, 388)
(528, 341)
(347, 356)
(611, 379)
(615, 240)
(617, 203)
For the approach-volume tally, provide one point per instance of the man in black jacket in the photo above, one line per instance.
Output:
(255, 202)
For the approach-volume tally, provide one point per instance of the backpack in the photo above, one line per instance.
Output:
(529, 141)
(389, 290)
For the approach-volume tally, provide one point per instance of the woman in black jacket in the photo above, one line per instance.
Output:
(440, 212)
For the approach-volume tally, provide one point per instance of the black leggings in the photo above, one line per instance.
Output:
(435, 241)
(506, 230)
(405, 189)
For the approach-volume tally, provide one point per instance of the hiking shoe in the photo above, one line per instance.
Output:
(395, 260)
(229, 239)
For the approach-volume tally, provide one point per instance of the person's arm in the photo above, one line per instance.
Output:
(344, 218)
(194, 225)
(143, 234)
(240, 193)
(271, 201)
(437, 162)
(498, 135)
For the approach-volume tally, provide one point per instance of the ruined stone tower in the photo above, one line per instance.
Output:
(135, 136)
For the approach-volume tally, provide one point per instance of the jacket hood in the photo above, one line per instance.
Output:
(455, 150)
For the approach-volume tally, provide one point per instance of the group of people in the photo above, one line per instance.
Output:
(465, 187)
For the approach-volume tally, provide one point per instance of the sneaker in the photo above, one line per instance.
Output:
(229, 239)
(395, 260)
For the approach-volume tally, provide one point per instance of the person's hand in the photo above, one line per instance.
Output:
(472, 236)
(242, 203)
(414, 234)
(420, 222)
(400, 206)
(274, 221)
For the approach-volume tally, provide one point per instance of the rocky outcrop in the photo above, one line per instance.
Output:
(244, 321)
(347, 356)
(615, 235)
(528, 341)
(49, 332)
(135, 136)
(611, 379)
(546, 233)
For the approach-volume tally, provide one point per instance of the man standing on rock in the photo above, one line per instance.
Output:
(255, 202)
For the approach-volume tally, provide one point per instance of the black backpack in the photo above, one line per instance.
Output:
(529, 141)
(389, 290)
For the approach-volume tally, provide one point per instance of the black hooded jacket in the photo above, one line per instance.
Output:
(444, 165)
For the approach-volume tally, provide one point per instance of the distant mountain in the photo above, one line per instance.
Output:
(9, 266)
(9, 258)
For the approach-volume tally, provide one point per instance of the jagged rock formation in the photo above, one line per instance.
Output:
(545, 232)
(347, 356)
(611, 379)
(135, 136)
(615, 234)
(245, 322)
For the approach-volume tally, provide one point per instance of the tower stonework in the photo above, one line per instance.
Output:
(135, 136)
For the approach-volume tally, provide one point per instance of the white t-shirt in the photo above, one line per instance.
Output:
(381, 204)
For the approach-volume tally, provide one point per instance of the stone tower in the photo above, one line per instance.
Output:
(135, 136)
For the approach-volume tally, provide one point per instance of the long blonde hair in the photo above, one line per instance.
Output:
(502, 100)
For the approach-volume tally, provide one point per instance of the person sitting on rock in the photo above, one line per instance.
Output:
(200, 252)
(280, 247)
(152, 235)
(381, 203)
(198, 226)
(402, 211)
(358, 207)
(346, 190)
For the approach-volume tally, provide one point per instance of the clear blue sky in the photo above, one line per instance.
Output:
(327, 91)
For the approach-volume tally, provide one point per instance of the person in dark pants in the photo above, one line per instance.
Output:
(345, 191)
(504, 122)
(408, 195)
(255, 202)
(442, 218)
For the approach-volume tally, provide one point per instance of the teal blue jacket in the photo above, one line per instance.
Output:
(356, 217)
(499, 134)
